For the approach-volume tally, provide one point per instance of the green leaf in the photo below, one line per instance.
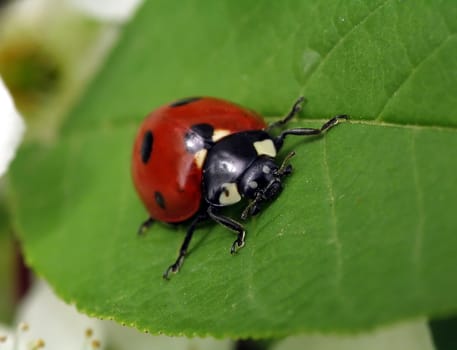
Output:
(364, 231)
(7, 267)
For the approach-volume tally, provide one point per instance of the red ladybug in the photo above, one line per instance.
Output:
(197, 155)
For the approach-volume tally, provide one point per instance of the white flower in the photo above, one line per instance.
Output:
(412, 335)
(10, 340)
(45, 319)
(58, 324)
(107, 10)
(11, 128)
(6, 338)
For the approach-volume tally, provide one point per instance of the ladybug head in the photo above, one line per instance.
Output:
(262, 182)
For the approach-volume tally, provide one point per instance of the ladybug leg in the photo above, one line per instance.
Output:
(183, 250)
(296, 108)
(308, 131)
(145, 226)
(231, 225)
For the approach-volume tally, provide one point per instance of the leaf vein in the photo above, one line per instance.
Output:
(335, 239)
(346, 35)
(412, 73)
(419, 233)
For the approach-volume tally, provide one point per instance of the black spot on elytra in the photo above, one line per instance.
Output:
(184, 101)
(146, 146)
(159, 199)
(198, 137)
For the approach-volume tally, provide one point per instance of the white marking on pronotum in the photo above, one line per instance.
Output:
(266, 169)
(219, 133)
(253, 184)
(229, 194)
(265, 147)
(200, 157)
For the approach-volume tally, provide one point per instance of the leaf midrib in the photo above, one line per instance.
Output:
(269, 119)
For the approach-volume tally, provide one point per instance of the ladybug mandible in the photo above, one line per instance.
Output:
(197, 155)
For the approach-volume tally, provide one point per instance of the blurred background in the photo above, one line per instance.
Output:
(49, 50)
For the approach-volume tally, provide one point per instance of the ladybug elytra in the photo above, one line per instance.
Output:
(193, 157)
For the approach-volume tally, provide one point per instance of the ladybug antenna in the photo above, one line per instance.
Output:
(253, 207)
(286, 168)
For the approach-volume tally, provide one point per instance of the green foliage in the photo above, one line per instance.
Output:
(364, 232)
(6, 265)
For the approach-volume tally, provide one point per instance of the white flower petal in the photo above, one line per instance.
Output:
(107, 10)
(58, 324)
(405, 336)
(11, 128)
(130, 338)
(6, 344)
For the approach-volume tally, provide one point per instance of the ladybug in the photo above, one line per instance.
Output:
(197, 155)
